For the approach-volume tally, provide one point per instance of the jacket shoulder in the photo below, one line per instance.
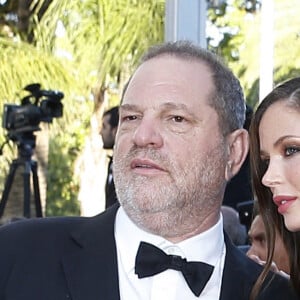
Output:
(241, 273)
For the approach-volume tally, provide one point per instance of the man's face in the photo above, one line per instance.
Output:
(169, 158)
(108, 133)
(258, 239)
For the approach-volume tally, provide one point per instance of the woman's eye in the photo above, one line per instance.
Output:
(291, 150)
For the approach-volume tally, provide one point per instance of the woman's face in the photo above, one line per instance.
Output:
(279, 135)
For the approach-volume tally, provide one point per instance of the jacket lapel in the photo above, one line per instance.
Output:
(238, 274)
(91, 269)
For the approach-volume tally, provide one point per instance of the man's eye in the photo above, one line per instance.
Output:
(291, 150)
(129, 118)
(178, 119)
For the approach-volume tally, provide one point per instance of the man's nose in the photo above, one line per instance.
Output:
(148, 134)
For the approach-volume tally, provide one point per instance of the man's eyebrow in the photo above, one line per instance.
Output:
(166, 105)
(128, 107)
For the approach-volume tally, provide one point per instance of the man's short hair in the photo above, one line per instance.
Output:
(227, 99)
(114, 116)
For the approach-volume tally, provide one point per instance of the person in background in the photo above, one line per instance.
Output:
(258, 247)
(108, 132)
(180, 139)
(275, 165)
(233, 227)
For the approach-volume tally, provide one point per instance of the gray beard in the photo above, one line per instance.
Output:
(175, 203)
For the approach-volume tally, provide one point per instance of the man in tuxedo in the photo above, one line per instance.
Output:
(108, 132)
(180, 139)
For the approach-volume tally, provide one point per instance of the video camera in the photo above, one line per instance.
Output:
(25, 118)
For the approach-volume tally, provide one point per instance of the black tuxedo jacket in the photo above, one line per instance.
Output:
(75, 258)
(110, 191)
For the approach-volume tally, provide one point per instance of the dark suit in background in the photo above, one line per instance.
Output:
(108, 133)
(110, 191)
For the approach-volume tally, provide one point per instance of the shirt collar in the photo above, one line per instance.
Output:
(128, 237)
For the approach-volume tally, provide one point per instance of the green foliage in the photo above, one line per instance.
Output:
(239, 24)
(100, 36)
(227, 19)
(75, 47)
(62, 185)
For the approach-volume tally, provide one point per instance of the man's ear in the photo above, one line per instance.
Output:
(238, 147)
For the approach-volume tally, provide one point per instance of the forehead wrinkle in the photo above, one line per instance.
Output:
(166, 105)
(173, 105)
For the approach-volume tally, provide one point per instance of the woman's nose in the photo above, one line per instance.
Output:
(273, 173)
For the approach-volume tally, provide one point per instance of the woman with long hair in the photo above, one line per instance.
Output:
(275, 167)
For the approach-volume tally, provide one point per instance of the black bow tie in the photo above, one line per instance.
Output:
(150, 260)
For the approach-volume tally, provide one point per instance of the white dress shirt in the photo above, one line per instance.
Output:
(207, 247)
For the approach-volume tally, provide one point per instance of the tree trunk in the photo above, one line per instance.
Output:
(92, 165)
(23, 15)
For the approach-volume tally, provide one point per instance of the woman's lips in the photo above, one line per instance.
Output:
(284, 202)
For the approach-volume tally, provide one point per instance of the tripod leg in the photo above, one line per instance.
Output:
(8, 183)
(26, 177)
(36, 189)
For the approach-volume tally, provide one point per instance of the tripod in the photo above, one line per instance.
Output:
(26, 144)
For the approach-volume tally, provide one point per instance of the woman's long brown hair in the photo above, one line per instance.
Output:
(288, 92)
